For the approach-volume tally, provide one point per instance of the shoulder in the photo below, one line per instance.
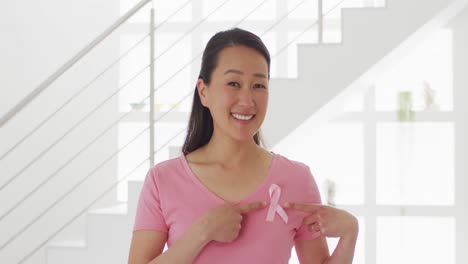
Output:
(167, 178)
(284, 163)
(168, 167)
(293, 171)
(170, 164)
(296, 176)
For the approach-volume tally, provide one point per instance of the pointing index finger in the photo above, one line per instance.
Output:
(245, 208)
(305, 207)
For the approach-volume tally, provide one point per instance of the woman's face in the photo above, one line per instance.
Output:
(238, 93)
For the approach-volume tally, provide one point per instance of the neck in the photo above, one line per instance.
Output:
(231, 153)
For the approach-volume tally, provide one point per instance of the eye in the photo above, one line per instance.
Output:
(235, 84)
(258, 85)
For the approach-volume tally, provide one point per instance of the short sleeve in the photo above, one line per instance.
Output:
(149, 215)
(312, 196)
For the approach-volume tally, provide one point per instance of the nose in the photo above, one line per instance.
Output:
(246, 97)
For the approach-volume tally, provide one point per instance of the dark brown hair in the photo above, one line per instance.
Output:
(200, 128)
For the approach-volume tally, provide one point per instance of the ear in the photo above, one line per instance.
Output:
(202, 92)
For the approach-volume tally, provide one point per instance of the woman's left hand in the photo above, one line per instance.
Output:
(329, 221)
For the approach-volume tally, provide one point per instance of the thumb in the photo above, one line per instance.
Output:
(245, 208)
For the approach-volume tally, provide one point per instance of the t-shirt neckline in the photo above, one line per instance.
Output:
(205, 189)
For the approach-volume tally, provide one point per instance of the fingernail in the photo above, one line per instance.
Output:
(287, 204)
(264, 203)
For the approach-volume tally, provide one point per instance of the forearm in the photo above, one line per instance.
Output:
(185, 249)
(344, 251)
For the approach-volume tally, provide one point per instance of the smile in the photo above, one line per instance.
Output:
(242, 117)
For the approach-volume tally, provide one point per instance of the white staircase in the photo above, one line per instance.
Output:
(108, 233)
(371, 38)
(107, 238)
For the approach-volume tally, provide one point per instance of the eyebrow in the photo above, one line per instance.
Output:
(261, 75)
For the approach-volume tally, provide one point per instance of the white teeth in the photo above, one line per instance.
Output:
(242, 117)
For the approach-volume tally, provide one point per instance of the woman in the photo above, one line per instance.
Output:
(226, 199)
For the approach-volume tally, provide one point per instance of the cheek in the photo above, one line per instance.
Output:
(262, 100)
(222, 102)
(225, 99)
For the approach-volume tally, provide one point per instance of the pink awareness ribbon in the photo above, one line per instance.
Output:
(275, 193)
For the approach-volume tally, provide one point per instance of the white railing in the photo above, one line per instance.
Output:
(47, 82)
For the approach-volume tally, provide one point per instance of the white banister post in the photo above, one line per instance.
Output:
(151, 104)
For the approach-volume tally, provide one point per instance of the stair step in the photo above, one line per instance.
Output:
(120, 209)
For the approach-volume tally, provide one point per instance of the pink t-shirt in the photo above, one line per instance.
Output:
(173, 198)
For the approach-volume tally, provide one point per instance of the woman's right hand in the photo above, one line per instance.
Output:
(223, 223)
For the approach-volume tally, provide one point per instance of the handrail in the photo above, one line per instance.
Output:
(76, 155)
(69, 100)
(81, 181)
(99, 136)
(85, 87)
(37, 157)
(84, 210)
(45, 84)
